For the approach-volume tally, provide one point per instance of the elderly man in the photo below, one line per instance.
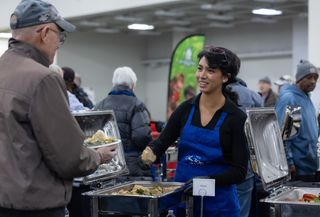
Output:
(286, 79)
(269, 97)
(41, 143)
(302, 150)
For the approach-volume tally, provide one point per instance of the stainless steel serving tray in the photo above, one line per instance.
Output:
(137, 204)
(92, 121)
(287, 204)
(267, 154)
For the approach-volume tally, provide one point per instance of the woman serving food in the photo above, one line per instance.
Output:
(210, 127)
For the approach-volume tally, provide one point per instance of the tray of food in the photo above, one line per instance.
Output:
(99, 140)
(138, 196)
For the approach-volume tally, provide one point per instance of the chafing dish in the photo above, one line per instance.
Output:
(107, 203)
(92, 121)
(269, 163)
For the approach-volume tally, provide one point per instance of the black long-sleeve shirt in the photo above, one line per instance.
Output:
(231, 137)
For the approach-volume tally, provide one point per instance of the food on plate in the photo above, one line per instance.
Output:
(99, 138)
(140, 190)
(148, 156)
(310, 198)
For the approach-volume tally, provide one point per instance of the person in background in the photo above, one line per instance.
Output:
(74, 103)
(247, 99)
(189, 92)
(74, 89)
(302, 150)
(41, 143)
(175, 85)
(270, 98)
(132, 118)
(211, 131)
(286, 79)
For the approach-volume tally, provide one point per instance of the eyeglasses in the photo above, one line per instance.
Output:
(62, 35)
(215, 50)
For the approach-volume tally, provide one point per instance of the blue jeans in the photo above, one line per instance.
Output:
(244, 191)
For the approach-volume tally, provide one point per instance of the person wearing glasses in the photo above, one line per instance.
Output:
(211, 130)
(40, 141)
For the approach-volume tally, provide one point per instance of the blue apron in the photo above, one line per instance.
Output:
(200, 154)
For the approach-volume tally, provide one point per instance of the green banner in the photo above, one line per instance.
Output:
(182, 75)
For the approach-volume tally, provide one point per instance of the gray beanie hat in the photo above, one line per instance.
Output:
(265, 80)
(305, 68)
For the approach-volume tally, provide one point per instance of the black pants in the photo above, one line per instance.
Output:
(55, 212)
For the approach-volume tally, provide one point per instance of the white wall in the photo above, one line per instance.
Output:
(95, 57)
(3, 45)
(314, 32)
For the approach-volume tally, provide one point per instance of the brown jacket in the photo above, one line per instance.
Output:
(41, 144)
(271, 99)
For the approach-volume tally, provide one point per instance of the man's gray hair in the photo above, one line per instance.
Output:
(124, 76)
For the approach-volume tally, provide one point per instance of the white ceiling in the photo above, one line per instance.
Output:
(191, 15)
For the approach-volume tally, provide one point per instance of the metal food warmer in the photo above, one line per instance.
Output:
(102, 199)
(269, 163)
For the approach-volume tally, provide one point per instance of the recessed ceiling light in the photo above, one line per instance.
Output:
(129, 19)
(266, 11)
(216, 7)
(104, 30)
(5, 35)
(169, 13)
(140, 26)
(91, 23)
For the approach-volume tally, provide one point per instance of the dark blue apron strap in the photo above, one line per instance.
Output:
(120, 92)
(221, 119)
(153, 172)
(191, 115)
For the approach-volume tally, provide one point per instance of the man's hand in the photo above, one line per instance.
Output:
(189, 190)
(292, 169)
(107, 153)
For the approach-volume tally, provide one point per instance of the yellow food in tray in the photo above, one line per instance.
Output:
(140, 190)
(99, 138)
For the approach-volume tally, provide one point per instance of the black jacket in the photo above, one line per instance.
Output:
(134, 126)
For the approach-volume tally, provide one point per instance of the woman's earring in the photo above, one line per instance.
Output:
(224, 81)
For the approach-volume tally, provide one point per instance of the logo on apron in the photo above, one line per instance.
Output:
(193, 159)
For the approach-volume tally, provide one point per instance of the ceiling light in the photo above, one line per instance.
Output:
(140, 26)
(129, 19)
(5, 35)
(149, 33)
(91, 23)
(178, 22)
(220, 17)
(221, 25)
(169, 13)
(265, 11)
(262, 20)
(104, 30)
(183, 29)
(216, 7)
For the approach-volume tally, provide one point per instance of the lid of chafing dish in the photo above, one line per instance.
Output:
(90, 122)
(266, 147)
